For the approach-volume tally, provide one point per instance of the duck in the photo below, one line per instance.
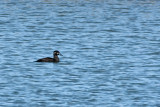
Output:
(48, 59)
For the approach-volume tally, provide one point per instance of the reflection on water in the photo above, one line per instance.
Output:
(110, 53)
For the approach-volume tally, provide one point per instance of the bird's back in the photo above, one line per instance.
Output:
(47, 59)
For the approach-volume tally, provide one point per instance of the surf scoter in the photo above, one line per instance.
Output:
(48, 59)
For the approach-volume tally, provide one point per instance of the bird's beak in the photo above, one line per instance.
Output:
(60, 54)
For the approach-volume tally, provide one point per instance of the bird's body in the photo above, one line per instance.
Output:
(48, 59)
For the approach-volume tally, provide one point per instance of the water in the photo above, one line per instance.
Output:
(111, 53)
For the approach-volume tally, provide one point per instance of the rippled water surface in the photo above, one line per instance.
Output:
(111, 53)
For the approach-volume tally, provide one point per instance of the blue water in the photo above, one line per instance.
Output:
(111, 53)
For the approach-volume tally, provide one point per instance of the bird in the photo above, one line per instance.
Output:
(54, 59)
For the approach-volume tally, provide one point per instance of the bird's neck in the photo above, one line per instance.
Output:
(56, 57)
